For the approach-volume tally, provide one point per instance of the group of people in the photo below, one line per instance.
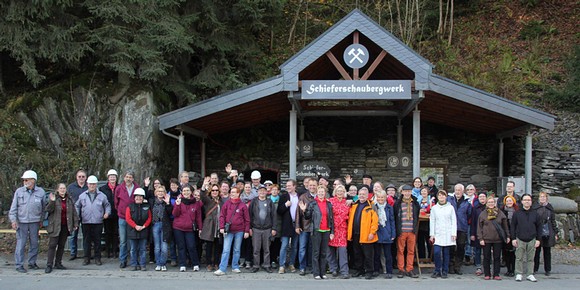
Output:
(367, 228)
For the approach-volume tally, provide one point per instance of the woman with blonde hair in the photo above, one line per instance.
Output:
(492, 232)
(549, 233)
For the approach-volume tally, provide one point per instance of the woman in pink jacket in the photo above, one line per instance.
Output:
(186, 224)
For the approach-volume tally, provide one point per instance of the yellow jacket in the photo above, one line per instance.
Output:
(369, 223)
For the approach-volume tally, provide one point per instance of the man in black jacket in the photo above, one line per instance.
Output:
(526, 232)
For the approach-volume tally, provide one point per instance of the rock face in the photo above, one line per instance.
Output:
(123, 136)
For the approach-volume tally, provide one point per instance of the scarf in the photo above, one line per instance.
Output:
(408, 202)
(275, 199)
(491, 213)
(510, 212)
(382, 214)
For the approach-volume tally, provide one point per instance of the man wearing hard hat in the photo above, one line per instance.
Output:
(92, 208)
(26, 215)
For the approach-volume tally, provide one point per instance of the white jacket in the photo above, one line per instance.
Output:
(443, 224)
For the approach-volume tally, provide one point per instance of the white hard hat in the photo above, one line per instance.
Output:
(29, 174)
(139, 191)
(255, 175)
(112, 172)
(92, 179)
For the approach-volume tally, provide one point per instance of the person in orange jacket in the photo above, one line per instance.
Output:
(363, 223)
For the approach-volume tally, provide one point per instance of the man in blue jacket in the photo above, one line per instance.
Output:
(25, 215)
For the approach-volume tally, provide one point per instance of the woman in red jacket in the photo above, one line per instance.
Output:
(186, 223)
(338, 256)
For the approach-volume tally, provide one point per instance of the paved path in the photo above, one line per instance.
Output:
(109, 276)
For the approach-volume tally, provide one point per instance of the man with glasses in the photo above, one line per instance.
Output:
(75, 189)
(526, 231)
(25, 216)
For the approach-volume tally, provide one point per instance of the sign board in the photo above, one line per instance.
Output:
(349, 90)
(399, 161)
(306, 149)
(356, 56)
(312, 169)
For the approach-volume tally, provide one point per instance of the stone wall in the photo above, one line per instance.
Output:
(361, 145)
(556, 172)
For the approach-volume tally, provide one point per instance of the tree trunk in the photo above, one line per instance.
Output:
(294, 22)
(450, 24)
(440, 26)
(2, 92)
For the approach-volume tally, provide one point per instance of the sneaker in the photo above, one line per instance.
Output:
(219, 272)
(248, 265)
(302, 272)
(158, 268)
(497, 278)
(195, 268)
(292, 269)
(181, 269)
(401, 274)
(519, 277)
(323, 277)
(478, 272)
(486, 278)
(281, 270)
(531, 278)
(435, 275)
(237, 271)
(388, 276)
(317, 278)
(163, 269)
(345, 276)
(412, 274)
(33, 267)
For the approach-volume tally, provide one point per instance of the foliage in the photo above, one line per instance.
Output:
(567, 97)
(534, 29)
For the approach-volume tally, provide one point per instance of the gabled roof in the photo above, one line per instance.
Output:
(356, 21)
(446, 101)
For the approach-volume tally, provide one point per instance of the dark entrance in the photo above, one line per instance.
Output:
(266, 175)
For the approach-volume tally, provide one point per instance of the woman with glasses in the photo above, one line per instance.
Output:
(212, 204)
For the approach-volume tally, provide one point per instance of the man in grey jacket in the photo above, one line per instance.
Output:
(92, 208)
(26, 216)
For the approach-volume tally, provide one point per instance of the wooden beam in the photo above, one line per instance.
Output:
(338, 66)
(374, 65)
(355, 72)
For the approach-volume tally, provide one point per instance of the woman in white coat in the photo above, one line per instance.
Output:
(442, 232)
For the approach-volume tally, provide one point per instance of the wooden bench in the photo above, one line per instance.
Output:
(11, 231)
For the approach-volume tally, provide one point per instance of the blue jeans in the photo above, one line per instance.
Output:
(73, 240)
(186, 242)
(122, 240)
(304, 245)
(236, 238)
(160, 245)
(138, 249)
(441, 257)
(477, 256)
(284, 250)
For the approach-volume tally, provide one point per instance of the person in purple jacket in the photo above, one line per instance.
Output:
(186, 223)
(235, 226)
